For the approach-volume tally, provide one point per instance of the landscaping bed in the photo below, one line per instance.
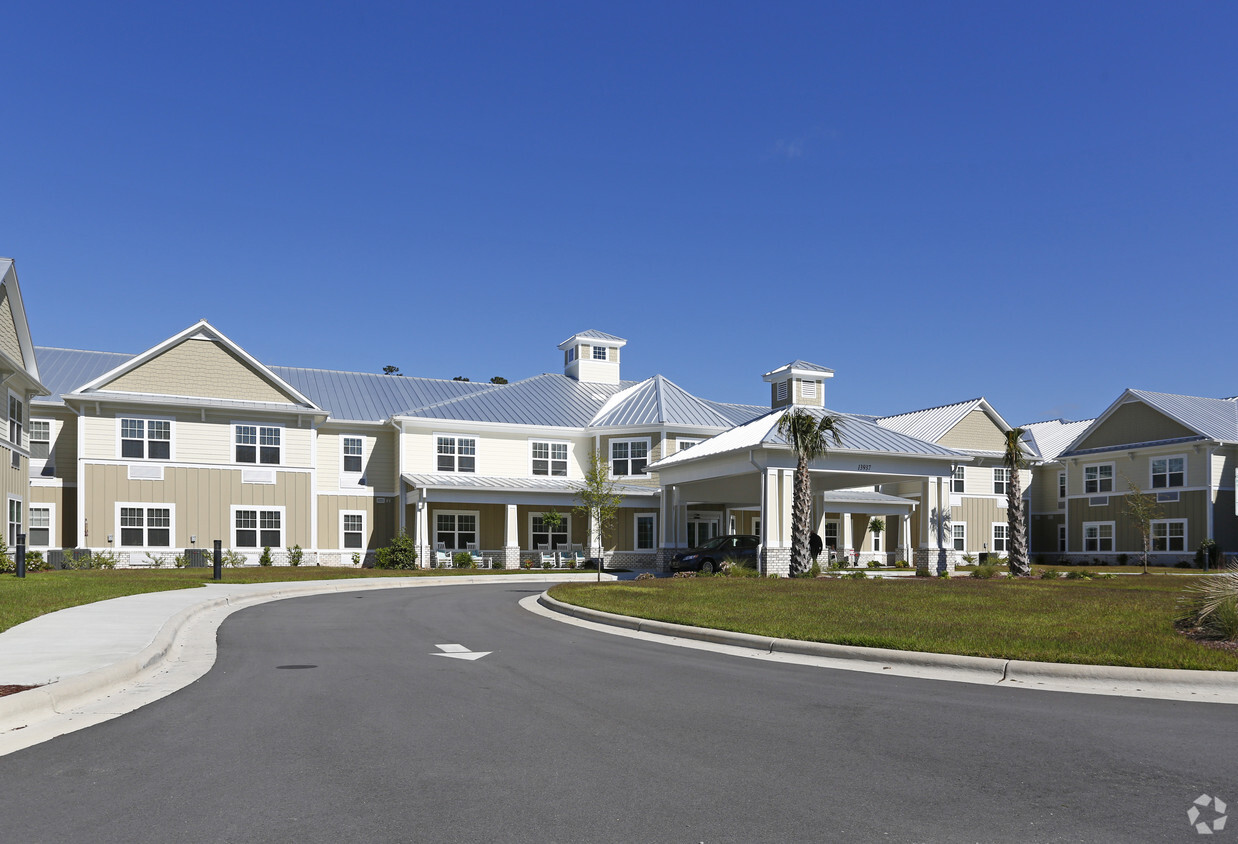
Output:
(1122, 621)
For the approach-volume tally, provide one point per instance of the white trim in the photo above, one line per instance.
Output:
(50, 462)
(257, 463)
(953, 527)
(1062, 534)
(550, 459)
(50, 507)
(364, 531)
(1113, 538)
(567, 525)
(1005, 526)
(348, 479)
(259, 508)
(1186, 544)
(145, 507)
(432, 527)
(144, 418)
(610, 456)
(636, 517)
(1167, 457)
(9, 533)
(1112, 477)
(456, 453)
(684, 443)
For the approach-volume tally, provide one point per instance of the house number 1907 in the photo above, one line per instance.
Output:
(864, 467)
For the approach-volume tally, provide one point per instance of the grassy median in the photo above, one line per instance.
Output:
(22, 599)
(1123, 621)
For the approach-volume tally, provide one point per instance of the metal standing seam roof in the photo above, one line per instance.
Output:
(659, 401)
(549, 400)
(1213, 418)
(594, 334)
(1049, 439)
(493, 484)
(64, 370)
(801, 365)
(932, 423)
(364, 396)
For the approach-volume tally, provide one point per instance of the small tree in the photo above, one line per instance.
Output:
(599, 503)
(1142, 508)
(498, 379)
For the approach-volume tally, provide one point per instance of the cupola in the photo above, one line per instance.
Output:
(799, 384)
(592, 356)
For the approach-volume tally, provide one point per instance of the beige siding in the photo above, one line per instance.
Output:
(64, 502)
(203, 499)
(377, 459)
(1135, 423)
(200, 368)
(380, 519)
(975, 431)
(1193, 506)
(1044, 489)
(655, 453)
(193, 440)
(1137, 468)
(9, 341)
(1224, 464)
(979, 515)
(504, 456)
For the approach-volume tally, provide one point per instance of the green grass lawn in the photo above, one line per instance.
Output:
(1123, 621)
(48, 591)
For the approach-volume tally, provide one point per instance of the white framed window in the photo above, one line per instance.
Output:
(1001, 480)
(548, 458)
(352, 529)
(259, 444)
(645, 532)
(540, 533)
(42, 525)
(756, 528)
(455, 530)
(599, 353)
(1169, 535)
(876, 543)
(16, 414)
(1061, 484)
(257, 527)
(145, 439)
(41, 462)
(629, 457)
(1098, 478)
(1061, 538)
(352, 455)
(958, 535)
(685, 444)
(571, 354)
(828, 540)
(141, 525)
(1168, 472)
(1001, 537)
(455, 453)
(701, 531)
(15, 523)
(1097, 536)
(957, 480)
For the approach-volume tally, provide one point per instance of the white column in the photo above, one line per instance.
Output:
(786, 488)
(847, 539)
(511, 527)
(905, 531)
(422, 540)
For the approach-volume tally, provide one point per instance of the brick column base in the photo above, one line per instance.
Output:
(776, 561)
(934, 561)
(510, 558)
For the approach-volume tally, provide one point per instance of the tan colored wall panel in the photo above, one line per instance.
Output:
(975, 431)
(380, 519)
(1135, 423)
(1193, 506)
(199, 368)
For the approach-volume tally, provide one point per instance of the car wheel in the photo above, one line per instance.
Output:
(708, 567)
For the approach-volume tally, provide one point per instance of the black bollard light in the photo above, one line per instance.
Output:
(219, 559)
(21, 555)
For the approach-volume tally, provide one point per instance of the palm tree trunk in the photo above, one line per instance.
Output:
(801, 518)
(1017, 526)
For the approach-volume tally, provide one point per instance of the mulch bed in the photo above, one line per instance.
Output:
(1199, 636)
(12, 690)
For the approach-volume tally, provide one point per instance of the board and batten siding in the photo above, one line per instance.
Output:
(1134, 422)
(380, 520)
(64, 504)
(200, 368)
(1137, 469)
(1193, 507)
(203, 499)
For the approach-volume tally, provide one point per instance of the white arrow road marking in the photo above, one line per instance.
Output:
(459, 652)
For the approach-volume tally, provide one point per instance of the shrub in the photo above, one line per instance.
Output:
(985, 572)
(732, 567)
(180, 561)
(902, 564)
(644, 576)
(684, 574)
(232, 559)
(1078, 575)
(814, 570)
(1207, 554)
(295, 555)
(1211, 604)
(35, 561)
(943, 574)
(462, 560)
(1182, 564)
(264, 559)
(1123, 559)
(356, 558)
(873, 564)
(1050, 574)
(969, 559)
(857, 575)
(154, 560)
(400, 554)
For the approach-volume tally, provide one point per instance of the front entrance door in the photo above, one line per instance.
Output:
(701, 531)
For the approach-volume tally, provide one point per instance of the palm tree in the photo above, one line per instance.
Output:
(808, 437)
(1016, 524)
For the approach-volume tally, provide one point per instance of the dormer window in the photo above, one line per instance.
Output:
(599, 353)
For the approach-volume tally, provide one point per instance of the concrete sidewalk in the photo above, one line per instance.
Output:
(98, 661)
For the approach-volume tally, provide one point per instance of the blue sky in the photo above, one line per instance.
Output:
(1037, 203)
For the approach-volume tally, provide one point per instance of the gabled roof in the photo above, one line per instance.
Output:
(204, 330)
(659, 401)
(28, 363)
(365, 396)
(548, 400)
(593, 334)
(1049, 439)
(1214, 419)
(858, 435)
(933, 423)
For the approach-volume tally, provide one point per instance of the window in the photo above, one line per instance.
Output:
(146, 439)
(571, 354)
(39, 534)
(1169, 535)
(352, 530)
(1098, 478)
(144, 526)
(956, 480)
(557, 539)
(1061, 484)
(256, 527)
(14, 521)
(1098, 536)
(1061, 538)
(599, 353)
(15, 419)
(549, 459)
(958, 534)
(684, 445)
(628, 457)
(457, 454)
(876, 543)
(830, 539)
(646, 532)
(1168, 471)
(353, 452)
(258, 444)
(756, 528)
(41, 447)
(1001, 480)
(455, 531)
(1001, 534)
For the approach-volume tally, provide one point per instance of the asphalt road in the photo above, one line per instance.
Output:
(564, 734)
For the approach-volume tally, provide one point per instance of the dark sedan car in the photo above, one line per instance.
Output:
(713, 553)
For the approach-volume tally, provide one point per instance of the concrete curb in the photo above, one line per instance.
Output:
(1164, 683)
(63, 694)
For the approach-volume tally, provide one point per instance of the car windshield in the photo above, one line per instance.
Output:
(718, 543)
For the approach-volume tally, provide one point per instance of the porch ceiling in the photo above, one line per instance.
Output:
(745, 489)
